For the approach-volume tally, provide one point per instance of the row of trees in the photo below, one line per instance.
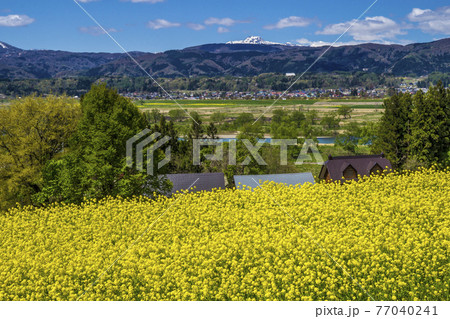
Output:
(433, 79)
(270, 81)
(286, 123)
(415, 130)
(54, 150)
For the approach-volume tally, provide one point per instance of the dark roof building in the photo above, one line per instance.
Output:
(341, 168)
(201, 182)
(254, 181)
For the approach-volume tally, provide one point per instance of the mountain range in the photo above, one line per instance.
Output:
(249, 57)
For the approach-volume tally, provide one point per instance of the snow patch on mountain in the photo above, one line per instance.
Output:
(3, 46)
(254, 40)
(300, 42)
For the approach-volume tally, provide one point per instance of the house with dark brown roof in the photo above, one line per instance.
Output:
(342, 168)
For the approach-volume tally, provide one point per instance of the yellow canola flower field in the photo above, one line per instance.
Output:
(386, 238)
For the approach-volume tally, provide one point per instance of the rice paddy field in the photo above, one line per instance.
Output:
(363, 110)
(382, 238)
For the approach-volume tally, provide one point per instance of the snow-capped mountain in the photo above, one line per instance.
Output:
(254, 40)
(6, 47)
(8, 50)
(249, 57)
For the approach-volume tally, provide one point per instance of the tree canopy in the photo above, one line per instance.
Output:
(96, 166)
(33, 131)
(416, 129)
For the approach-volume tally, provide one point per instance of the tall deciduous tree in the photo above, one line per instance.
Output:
(96, 166)
(345, 111)
(33, 131)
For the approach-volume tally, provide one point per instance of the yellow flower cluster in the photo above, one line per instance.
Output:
(387, 237)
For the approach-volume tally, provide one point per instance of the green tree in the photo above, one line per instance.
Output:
(96, 166)
(345, 111)
(298, 117)
(33, 131)
(311, 117)
(278, 115)
(243, 119)
(368, 133)
(330, 122)
(349, 140)
(153, 116)
(218, 117)
(211, 130)
(429, 142)
(287, 131)
(252, 134)
(167, 128)
(196, 130)
(394, 128)
(176, 114)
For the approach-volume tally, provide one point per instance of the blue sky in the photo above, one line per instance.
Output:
(159, 25)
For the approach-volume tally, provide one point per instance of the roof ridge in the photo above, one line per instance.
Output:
(355, 157)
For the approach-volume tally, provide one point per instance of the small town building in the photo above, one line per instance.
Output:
(342, 168)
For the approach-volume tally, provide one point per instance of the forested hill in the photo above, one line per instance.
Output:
(228, 59)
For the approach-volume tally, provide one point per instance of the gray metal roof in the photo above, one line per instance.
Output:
(201, 182)
(289, 179)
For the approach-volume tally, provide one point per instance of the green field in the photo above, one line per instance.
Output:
(363, 109)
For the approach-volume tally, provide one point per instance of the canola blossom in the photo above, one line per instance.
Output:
(389, 233)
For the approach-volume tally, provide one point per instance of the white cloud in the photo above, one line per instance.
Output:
(222, 30)
(418, 14)
(162, 24)
(292, 21)
(437, 21)
(196, 26)
(228, 22)
(370, 29)
(86, 1)
(143, 1)
(15, 20)
(96, 31)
